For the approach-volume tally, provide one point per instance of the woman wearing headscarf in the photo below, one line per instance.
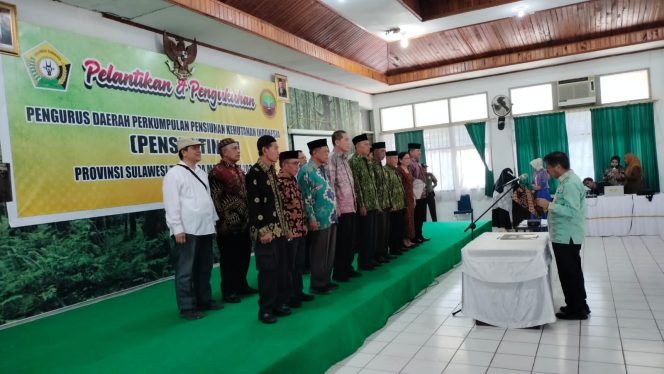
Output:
(633, 174)
(500, 215)
(540, 183)
(407, 181)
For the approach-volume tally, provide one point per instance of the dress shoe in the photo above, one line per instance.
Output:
(572, 316)
(320, 290)
(391, 256)
(191, 314)
(564, 309)
(267, 318)
(306, 297)
(295, 303)
(382, 260)
(367, 267)
(231, 298)
(397, 253)
(422, 238)
(354, 274)
(213, 305)
(249, 291)
(332, 286)
(282, 311)
(417, 241)
(375, 263)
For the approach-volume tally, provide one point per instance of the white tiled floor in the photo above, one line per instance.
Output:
(625, 287)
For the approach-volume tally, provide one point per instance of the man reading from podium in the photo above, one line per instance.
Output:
(567, 230)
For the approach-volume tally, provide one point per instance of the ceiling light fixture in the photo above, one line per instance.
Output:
(521, 11)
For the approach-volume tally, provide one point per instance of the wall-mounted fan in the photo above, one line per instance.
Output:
(501, 107)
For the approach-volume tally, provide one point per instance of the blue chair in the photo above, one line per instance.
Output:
(464, 207)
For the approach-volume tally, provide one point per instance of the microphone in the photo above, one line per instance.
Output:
(521, 177)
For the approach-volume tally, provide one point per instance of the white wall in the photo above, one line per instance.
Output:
(502, 141)
(69, 18)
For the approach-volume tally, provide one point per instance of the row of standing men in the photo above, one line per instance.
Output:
(320, 206)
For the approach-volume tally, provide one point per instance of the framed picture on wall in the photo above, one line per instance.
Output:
(8, 29)
(281, 85)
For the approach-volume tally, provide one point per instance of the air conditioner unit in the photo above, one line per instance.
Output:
(579, 91)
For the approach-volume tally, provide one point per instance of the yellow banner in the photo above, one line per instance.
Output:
(93, 124)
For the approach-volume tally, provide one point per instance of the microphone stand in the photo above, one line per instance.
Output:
(473, 225)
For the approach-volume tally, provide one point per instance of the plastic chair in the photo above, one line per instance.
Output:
(464, 207)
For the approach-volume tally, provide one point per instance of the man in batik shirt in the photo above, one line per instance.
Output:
(397, 208)
(367, 203)
(297, 229)
(341, 178)
(418, 174)
(383, 212)
(321, 216)
(268, 230)
(230, 200)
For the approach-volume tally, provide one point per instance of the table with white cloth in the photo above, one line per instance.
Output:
(506, 283)
(625, 215)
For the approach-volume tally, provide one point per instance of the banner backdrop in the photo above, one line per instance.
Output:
(93, 124)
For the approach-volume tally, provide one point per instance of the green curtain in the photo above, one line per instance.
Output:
(626, 129)
(401, 139)
(477, 133)
(537, 136)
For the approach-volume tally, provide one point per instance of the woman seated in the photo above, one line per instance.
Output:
(614, 175)
(633, 174)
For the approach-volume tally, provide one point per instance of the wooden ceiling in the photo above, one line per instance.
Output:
(427, 10)
(311, 27)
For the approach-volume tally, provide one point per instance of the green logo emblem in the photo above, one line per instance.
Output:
(48, 68)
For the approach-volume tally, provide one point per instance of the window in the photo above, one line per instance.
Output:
(468, 108)
(532, 99)
(432, 113)
(580, 143)
(633, 85)
(390, 143)
(453, 159)
(396, 118)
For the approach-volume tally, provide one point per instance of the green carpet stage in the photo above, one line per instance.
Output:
(141, 333)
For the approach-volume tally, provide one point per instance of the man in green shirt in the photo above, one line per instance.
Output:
(383, 213)
(397, 199)
(367, 203)
(567, 230)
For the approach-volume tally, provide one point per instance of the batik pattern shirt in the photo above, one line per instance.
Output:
(382, 194)
(229, 194)
(417, 172)
(394, 188)
(341, 178)
(293, 204)
(363, 178)
(615, 176)
(318, 195)
(266, 212)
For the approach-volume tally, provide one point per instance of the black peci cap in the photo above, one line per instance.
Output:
(360, 138)
(287, 155)
(316, 144)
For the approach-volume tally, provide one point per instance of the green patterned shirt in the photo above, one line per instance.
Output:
(365, 188)
(381, 188)
(394, 188)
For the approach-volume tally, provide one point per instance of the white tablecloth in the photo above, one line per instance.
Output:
(625, 215)
(506, 282)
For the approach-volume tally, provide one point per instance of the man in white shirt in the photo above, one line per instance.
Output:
(191, 217)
